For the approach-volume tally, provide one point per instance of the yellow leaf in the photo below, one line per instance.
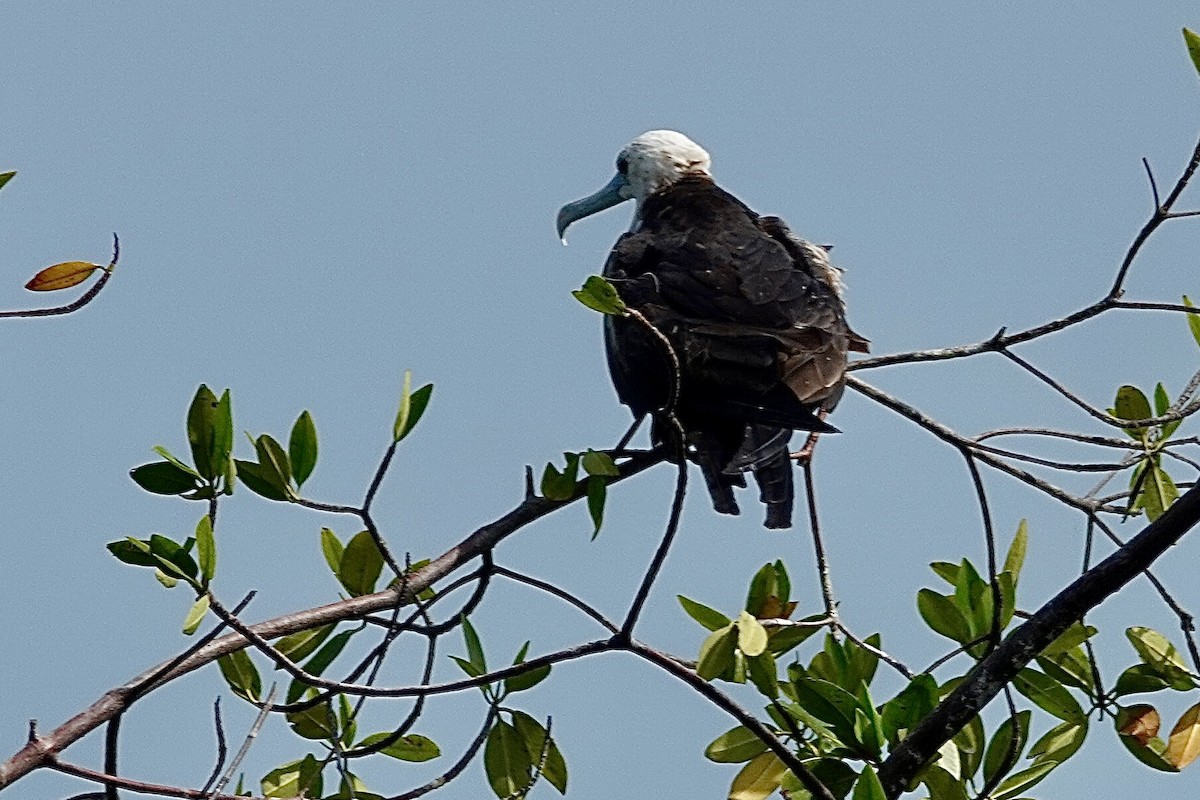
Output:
(1184, 744)
(1140, 721)
(758, 779)
(61, 276)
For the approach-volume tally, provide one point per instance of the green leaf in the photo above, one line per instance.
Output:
(165, 579)
(1162, 404)
(474, 647)
(302, 448)
(997, 757)
(1140, 679)
(262, 482)
(1070, 668)
(763, 586)
(1158, 492)
(735, 746)
(910, 706)
(506, 760)
(206, 549)
(361, 564)
(1131, 404)
(601, 464)
(758, 779)
(412, 406)
(970, 743)
(273, 463)
(241, 675)
(1193, 320)
(716, 653)
(784, 638)
(300, 645)
(173, 558)
(296, 778)
(868, 786)
(597, 491)
(942, 785)
(557, 485)
(752, 636)
(943, 616)
(413, 747)
(1060, 742)
(320, 662)
(5, 177)
(1151, 752)
(1193, 47)
(1019, 782)
(600, 295)
(708, 617)
(163, 477)
(1015, 558)
(1049, 695)
(201, 432)
(829, 703)
(1157, 652)
(195, 615)
(764, 674)
(526, 680)
(946, 571)
(332, 549)
(317, 723)
(169, 456)
(555, 768)
(132, 551)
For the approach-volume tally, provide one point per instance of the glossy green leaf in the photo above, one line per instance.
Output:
(413, 747)
(1193, 319)
(320, 662)
(361, 565)
(946, 571)
(296, 778)
(758, 779)
(1049, 695)
(708, 617)
(829, 703)
(561, 485)
(942, 785)
(554, 770)
(1019, 782)
(752, 636)
(302, 448)
(601, 464)
(1140, 679)
(868, 786)
(317, 723)
(764, 674)
(1060, 742)
(1131, 404)
(196, 615)
(1193, 47)
(1158, 492)
(163, 477)
(274, 463)
(206, 549)
(600, 295)
(1015, 558)
(526, 680)
(475, 654)
(300, 645)
(169, 456)
(735, 746)
(597, 493)
(262, 482)
(506, 760)
(241, 675)
(132, 551)
(1002, 753)
(332, 549)
(173, 558)
(943, 616)
(970, 741)
(910, 706)
(1070, 668)
(1157, 651)
(201, 432)
(716, 653)
(412, 407)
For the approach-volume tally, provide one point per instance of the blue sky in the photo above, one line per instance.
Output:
(314, 198)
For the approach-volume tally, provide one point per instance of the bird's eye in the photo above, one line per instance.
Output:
(622, 164)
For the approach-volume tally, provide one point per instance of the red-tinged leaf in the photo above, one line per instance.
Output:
(1139, 722)
(61, 276)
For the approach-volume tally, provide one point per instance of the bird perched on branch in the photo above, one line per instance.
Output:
(753, 315)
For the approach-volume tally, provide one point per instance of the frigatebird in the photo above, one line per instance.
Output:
(753, 315)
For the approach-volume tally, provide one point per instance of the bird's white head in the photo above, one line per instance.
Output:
(648, 164)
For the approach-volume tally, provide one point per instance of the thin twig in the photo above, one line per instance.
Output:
(86, 298)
